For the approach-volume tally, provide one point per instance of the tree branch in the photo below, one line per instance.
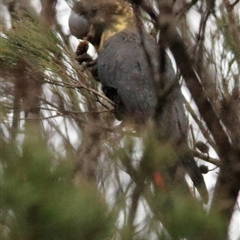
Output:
(227, 187)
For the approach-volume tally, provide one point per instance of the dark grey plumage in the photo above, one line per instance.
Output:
(127, 79)
(124, 73)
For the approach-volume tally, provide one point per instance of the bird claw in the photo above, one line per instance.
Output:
(82, 55)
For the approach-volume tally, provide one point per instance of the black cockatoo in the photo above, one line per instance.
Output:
(127, 76)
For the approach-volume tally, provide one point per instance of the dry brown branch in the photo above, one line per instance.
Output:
(227, 186)
(206, 158)
(199, 47)
(48, 11)
(200, 125)
(233, 27)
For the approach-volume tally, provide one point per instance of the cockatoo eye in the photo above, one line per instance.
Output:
(94, 10)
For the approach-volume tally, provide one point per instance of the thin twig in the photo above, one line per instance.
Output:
(200, 124)
(206, 158)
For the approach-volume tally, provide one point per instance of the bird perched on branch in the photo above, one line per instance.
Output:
(127, 63)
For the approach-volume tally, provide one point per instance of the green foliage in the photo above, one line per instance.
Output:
(160, 155)
(184, 217)
(40, 201)
(31, 43)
